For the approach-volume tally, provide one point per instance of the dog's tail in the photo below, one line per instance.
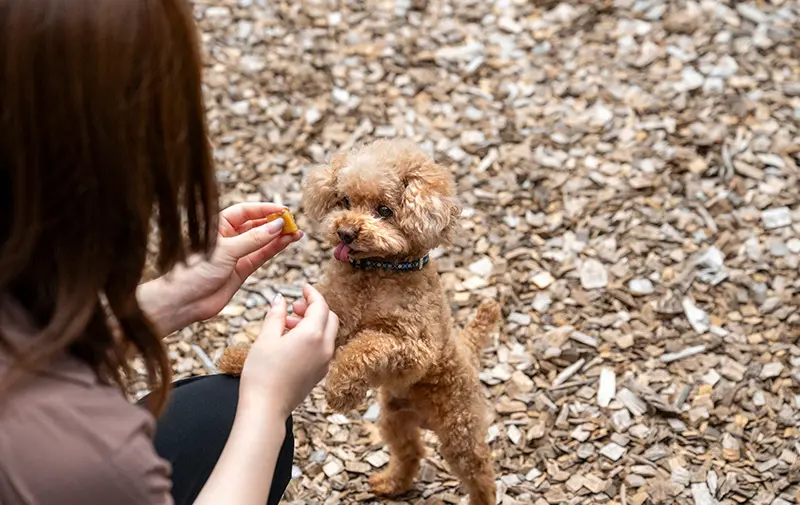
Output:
(476, 333)
(232, 360)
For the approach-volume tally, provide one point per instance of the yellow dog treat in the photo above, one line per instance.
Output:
(289, 226)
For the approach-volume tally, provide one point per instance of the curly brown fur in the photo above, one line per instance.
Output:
(395, 331)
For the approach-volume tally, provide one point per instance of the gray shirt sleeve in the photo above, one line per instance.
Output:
(69, 440)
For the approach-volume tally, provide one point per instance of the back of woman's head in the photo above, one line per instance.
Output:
(101, 130)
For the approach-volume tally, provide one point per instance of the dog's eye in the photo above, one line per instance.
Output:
(385, 212)
(346, 203)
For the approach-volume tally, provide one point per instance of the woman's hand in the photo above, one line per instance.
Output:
(281, 369)
(202, 288)
(279, 372)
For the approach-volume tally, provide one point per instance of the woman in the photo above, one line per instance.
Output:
(103, 135)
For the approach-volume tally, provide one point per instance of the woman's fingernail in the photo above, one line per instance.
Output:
(278, 298)
(275, 226)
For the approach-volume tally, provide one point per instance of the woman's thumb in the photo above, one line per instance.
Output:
(275, 321)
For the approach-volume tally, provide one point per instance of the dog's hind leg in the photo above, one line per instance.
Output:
(400, 429)
(463, 446)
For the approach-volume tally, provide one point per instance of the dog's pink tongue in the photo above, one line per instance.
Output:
(342, 252)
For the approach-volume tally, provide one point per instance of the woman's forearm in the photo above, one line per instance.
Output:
(158, 302)
(243, 474)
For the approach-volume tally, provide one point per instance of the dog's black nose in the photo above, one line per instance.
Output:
(347, 234)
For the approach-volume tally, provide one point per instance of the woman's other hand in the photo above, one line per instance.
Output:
(282, 368)
(202, 288)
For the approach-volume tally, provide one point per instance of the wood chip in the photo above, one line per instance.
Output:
(612, 451)
(377, 459)
(701, 494)
(607, 388)
(333, 467)
(631, 402)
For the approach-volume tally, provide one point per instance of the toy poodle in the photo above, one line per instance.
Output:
(384, 206)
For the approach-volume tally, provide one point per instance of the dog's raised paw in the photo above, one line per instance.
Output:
(343, 401)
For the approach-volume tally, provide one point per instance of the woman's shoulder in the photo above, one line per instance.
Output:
(66, 438)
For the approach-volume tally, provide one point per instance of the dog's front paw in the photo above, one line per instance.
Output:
(345, 400)
(344, 395)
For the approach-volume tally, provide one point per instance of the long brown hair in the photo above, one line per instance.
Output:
(102, 132)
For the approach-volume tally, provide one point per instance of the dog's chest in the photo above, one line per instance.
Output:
(375, 308)
(364, 301)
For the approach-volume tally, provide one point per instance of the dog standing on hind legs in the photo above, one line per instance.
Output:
(384, 206)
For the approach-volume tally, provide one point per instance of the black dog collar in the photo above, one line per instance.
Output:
(379, 264)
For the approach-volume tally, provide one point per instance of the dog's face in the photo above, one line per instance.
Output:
(386, 200)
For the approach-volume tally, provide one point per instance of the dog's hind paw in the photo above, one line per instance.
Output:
(387, 484)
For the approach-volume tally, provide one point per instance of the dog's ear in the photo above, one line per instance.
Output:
(430, 207)
(319, 188)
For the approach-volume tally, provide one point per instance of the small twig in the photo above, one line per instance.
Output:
(683, 396)
(568, 372)
(644, 461)
(709, 220)
(685, 353)
(573, 384)
(594, 362)
(727, 159)
(204, 359)
(684, 281)
(548, 402)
